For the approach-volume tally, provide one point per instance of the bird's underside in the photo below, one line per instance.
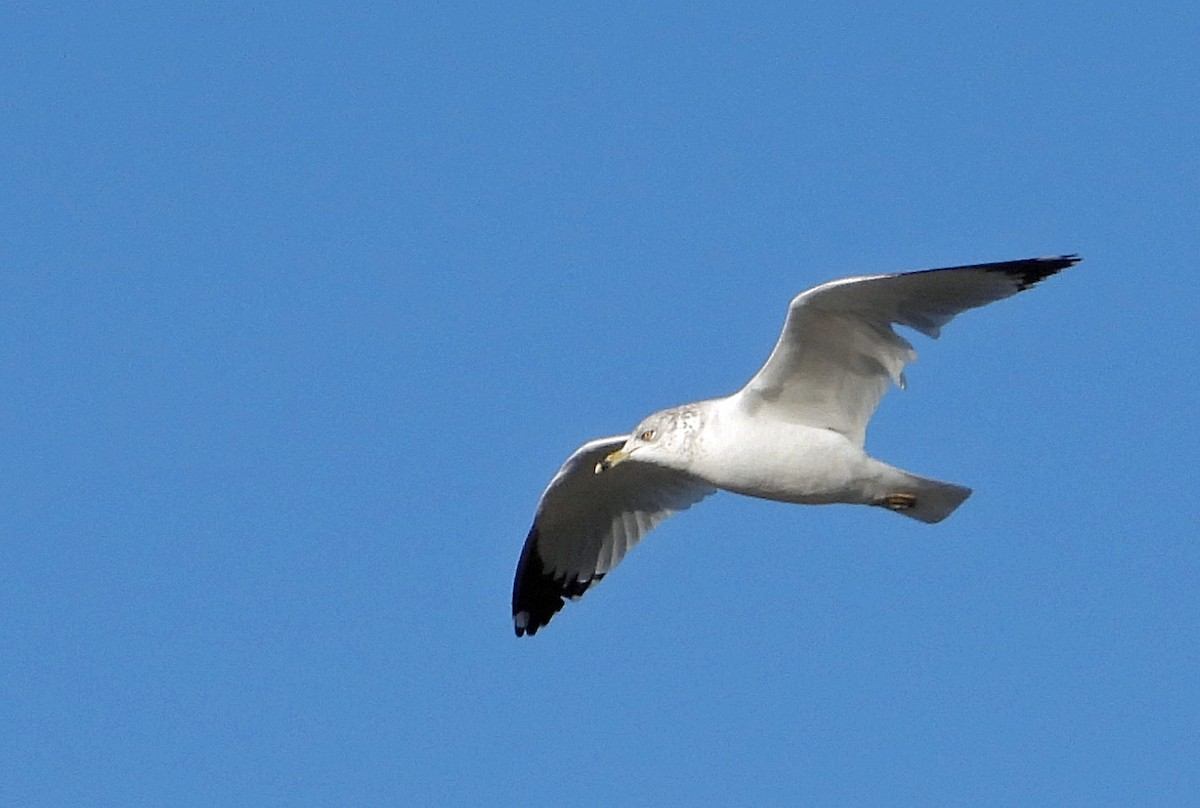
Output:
(795, 432)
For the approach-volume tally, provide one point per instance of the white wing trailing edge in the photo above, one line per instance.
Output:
(838, 351)
(587, 522)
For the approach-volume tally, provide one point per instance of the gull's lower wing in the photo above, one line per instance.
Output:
(586, 522)
(838, 350)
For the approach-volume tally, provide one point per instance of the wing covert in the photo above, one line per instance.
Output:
(838, 350)
(586, 523)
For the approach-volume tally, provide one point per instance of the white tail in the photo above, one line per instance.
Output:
(934, 500)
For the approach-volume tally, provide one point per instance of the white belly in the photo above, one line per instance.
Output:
(795, 463)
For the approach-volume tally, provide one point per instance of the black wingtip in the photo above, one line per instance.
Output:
(1034, 270)
(537, 595)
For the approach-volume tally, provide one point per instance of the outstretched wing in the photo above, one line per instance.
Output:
(838, 350)
(586, 522)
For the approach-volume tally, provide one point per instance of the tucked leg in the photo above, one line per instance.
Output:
(899, 502)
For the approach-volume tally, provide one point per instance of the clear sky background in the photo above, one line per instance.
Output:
(302, 306)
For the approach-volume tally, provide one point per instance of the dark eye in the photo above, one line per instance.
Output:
(647, 435)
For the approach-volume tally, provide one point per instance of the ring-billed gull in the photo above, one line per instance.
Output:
(794, 433)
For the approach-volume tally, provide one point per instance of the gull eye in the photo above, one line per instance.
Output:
(648, 435)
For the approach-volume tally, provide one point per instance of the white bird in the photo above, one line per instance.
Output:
(794, 433)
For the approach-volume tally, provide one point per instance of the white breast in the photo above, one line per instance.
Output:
(779, 461)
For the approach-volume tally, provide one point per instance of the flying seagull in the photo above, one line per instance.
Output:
(794, 433)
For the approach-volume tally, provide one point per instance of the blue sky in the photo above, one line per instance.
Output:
(303, 306)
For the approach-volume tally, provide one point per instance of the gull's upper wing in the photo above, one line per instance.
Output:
(585, 524)
(838, 350)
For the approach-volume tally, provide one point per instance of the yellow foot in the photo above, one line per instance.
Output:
(899, 502)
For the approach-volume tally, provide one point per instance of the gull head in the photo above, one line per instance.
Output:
(666, 438)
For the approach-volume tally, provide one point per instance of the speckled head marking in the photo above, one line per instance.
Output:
(666, 438)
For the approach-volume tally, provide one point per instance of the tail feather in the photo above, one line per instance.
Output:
(935, 500)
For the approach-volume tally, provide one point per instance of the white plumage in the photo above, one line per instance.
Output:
(794, 433)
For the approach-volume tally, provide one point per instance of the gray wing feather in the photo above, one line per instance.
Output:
(839, 351)
(587, 522)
